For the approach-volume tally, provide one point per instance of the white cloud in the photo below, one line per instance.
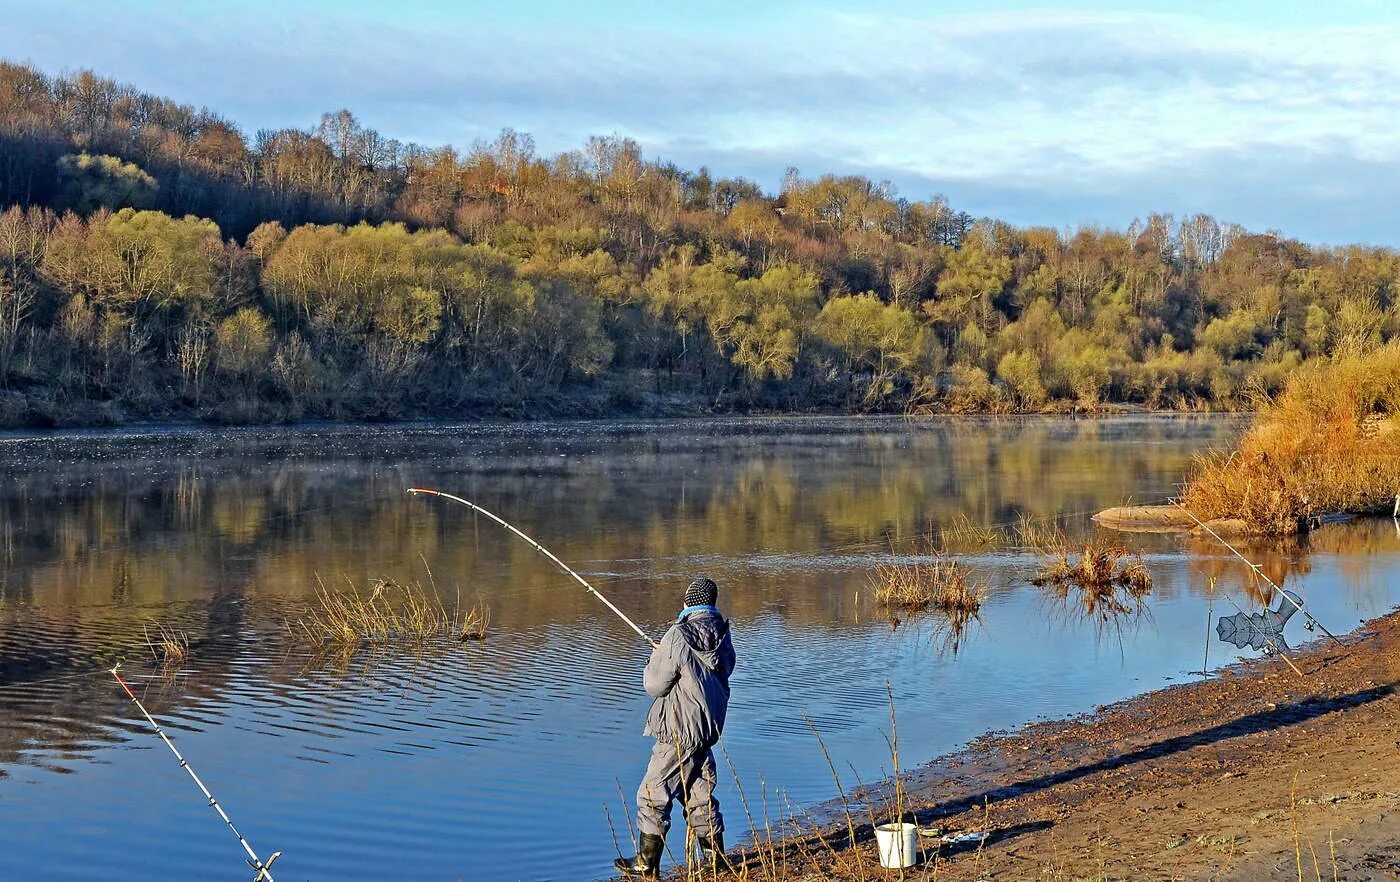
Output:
(1010, 111)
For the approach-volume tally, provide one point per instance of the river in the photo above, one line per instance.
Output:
(503, 759)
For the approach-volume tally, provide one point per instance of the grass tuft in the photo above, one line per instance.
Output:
(389, 612)
(167, 645)
(475, 621)
(965, 531)
(1110, 580)
(934, 580)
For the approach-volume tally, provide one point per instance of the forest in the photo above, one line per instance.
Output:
(157, 263)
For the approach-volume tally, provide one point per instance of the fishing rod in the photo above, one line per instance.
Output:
(1307, 616)
(542, 550)
(264, 870)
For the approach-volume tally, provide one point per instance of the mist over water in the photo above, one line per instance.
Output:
(473, 760)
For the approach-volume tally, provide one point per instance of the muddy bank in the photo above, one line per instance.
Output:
(1232, 778)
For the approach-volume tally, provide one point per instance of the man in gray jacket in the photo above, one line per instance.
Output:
(688, 676)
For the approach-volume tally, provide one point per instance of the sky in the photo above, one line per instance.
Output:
(1281, 115)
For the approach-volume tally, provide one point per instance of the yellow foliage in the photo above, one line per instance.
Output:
(1326, 444)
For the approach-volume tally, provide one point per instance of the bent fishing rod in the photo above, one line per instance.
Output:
(1259, 571)
(264, 870)
(422, 491)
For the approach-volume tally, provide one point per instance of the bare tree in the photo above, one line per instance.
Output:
(15, 305)
(192, 356)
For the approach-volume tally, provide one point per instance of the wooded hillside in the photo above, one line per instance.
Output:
(157, 262)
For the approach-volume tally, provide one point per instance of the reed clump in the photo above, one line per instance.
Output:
(1110, 580)
(963, 530)
(390, 612)
(474, 623)
(960, 600)
(168, 645)
(930, 581)
(1329, 443)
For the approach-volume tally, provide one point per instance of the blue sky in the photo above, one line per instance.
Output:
(1039, 113)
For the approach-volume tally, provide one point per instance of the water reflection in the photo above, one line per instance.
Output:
(448, 758)
(1286, 560)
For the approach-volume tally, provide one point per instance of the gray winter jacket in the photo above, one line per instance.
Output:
(688, 675)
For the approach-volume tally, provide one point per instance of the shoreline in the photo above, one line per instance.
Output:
(140, 427)
(22, 411)
(1234, 777)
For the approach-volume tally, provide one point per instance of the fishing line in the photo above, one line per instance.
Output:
(997, 525)
(1210, 617)
(59, 679)
(542, 550)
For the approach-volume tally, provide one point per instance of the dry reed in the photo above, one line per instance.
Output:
(965, 531)
(390, 612)
(168, 646)
(474, 623)
(1111, 581)
(1033, 532)
(1326, 444)
(929, 580)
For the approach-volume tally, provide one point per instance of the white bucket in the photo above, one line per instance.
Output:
(899, 845)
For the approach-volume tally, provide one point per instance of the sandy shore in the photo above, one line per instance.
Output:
(1238, 777)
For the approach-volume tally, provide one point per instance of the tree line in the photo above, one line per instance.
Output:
(155, 262)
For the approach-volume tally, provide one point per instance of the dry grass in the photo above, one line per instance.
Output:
(960, 600)
(930, 580)
(390, 612)
(1329, 443)
(965, 531)
(474, 623)
(1110, 581)
(167, 645)
(1030, 531)
(1033, 532)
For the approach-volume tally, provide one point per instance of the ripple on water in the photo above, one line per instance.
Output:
(446, 761)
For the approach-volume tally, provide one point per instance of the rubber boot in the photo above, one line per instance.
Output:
(712, 853)
(648, 859)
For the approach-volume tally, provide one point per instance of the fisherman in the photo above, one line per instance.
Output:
(688, 676)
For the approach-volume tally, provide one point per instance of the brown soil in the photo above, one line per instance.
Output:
(1244, 776)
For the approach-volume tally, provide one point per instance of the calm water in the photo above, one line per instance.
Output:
(472, 761)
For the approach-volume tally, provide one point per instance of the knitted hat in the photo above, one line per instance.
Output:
(702, 592)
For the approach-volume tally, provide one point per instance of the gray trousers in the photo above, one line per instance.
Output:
(685, 774)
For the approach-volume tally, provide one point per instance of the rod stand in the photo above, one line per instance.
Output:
(263, 868)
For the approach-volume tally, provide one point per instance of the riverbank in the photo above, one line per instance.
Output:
(38, 411)
(1239, 777)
